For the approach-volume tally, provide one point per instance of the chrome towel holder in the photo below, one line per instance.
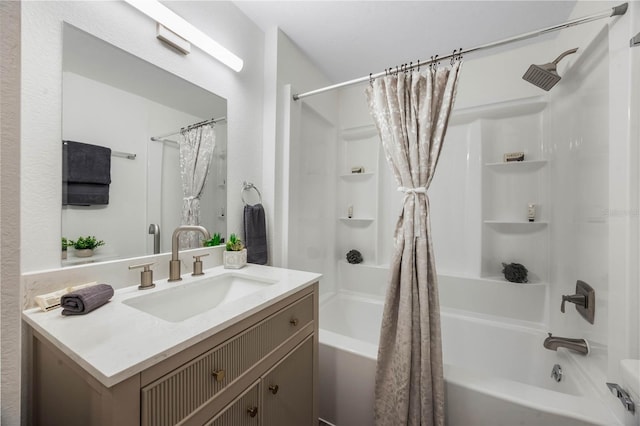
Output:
(246, 186)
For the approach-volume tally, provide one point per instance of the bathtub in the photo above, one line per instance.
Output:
(497, 373)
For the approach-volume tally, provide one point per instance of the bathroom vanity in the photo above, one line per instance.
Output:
(247, 361)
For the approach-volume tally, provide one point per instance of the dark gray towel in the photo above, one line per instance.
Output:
(86, 174)
(86, 299)
(255, 234)
(85, 163)
(84, 194)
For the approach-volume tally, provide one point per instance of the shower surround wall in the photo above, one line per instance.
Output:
(479, 206)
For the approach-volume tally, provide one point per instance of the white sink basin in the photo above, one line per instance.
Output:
(185, 301)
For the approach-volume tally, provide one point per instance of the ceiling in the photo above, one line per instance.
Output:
(350, 39)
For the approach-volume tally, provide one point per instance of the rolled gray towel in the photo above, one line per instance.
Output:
(85, 300)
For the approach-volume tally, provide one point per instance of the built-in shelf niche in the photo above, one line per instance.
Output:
(358, 220)
(359, 147)
(509, 187)
(356, 176)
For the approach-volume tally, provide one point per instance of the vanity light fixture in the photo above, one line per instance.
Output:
(172, 39)
(167, 18)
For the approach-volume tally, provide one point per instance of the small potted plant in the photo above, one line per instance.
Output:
(216, 240)
(84, 246)
(65, 244)
(235, 255)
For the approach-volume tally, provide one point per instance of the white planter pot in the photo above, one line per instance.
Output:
(84, 253)
(234, 259)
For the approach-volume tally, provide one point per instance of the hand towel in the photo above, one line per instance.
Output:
(85, 163)
(255, 234)
(86, 174)
(84, 194)
(86, 299)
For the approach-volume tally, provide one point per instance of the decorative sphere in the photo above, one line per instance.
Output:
(354, 256)
(515, 272)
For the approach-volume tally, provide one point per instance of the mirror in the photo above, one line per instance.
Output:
(113, 99)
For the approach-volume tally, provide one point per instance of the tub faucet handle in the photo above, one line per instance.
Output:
(578, 299)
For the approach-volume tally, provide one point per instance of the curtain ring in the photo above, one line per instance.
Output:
(453, 56)
(418, 65)
(371, 79)
(460, 55)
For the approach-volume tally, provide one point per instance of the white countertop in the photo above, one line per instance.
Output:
(116, 341)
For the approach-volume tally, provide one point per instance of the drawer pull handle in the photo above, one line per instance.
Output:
(274, 389)
(219, 375)
(253, 411)
(293, 321)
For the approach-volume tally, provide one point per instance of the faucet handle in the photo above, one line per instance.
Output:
(197, 264)
(578, 299)
(146, 275)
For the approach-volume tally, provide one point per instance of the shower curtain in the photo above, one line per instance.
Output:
(196, 152)
(411, 111)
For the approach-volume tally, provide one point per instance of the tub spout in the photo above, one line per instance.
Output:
(577, 345)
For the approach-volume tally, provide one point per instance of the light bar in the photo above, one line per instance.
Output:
(166, 17)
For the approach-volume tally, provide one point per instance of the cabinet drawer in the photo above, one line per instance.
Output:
(173, 397)
(244, 411)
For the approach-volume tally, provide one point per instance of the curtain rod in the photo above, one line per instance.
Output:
(614, 11)
(189, 127)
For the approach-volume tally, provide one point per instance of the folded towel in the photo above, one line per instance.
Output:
(85, 300)
(84, 194)
(85, 163)
(86, 174)
(255, 234)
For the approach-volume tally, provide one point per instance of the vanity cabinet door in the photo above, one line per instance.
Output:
(287, 389)
(243, 411)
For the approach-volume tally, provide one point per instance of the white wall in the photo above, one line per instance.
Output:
(300, 146)
(10, 306)
(41, 74)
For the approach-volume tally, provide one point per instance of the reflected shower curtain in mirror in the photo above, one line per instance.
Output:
(196, 153)
(411, 111)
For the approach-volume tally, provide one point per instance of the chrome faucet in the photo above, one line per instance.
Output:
(174, 264)
(577, 345)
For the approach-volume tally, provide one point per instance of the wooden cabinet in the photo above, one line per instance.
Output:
(287, 389)
(282, 397)
(259, 371)
(243, 411)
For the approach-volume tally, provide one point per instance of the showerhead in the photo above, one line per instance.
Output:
(545, 76)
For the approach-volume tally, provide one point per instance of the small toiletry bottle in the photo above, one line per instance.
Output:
(531, 212)
(350, 212)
